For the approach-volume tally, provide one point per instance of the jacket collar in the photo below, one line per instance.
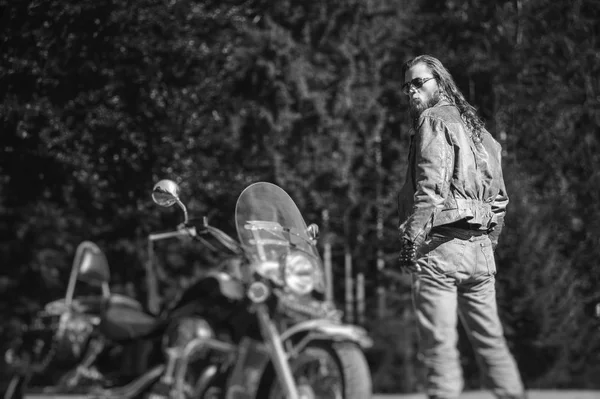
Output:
(441, 103)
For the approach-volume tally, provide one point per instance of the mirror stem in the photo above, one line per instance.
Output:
(185, 213)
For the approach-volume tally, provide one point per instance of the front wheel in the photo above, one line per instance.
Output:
(332, 370)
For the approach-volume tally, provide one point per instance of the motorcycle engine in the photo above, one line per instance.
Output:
(182, 331)
(50, 339)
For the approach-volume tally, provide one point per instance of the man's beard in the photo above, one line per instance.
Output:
(417, 108)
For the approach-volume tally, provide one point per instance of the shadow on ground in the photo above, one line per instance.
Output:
(534, 394)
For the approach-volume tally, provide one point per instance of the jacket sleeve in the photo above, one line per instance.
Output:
(499, 204)
(434, 163)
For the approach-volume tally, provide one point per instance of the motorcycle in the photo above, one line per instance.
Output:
(263, 330)
(60, 348)
(73, 343)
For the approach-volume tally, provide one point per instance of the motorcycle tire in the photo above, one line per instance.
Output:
(346, 359)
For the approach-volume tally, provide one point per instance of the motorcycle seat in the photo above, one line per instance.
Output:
(118, 299)
(125, 319)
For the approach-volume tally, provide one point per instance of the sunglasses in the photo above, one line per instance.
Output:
(417, 83)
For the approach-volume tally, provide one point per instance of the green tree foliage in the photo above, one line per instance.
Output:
(103, 98)
(315, 105)
(551, 106)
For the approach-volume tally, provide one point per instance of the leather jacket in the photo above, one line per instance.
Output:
(451, 178)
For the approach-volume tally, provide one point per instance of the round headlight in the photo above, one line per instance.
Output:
(300, 273)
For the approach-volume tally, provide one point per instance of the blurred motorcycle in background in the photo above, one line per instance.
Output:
(260, 330)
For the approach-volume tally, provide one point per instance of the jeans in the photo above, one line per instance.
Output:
(457, 280)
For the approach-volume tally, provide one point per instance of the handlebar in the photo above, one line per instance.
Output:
(183, 231)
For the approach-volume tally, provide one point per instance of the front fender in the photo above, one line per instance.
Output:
(325, 329)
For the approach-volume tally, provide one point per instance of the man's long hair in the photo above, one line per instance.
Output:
(449, 91)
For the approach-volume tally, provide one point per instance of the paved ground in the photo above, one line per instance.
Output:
(466, 395)
(531, 395)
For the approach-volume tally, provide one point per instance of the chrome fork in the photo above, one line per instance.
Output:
(278, 354)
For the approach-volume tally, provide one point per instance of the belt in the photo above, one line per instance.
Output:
(464, 225)
(463, 234)
(452, 230)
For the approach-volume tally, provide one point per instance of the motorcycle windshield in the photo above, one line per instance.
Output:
(269, 223)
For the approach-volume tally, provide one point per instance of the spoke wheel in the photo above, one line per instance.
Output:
(317, 375)
(329, 370)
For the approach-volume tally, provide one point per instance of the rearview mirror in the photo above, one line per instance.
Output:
(313, 231)
(165, 193)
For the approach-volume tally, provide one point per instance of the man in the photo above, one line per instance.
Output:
(452, 210)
